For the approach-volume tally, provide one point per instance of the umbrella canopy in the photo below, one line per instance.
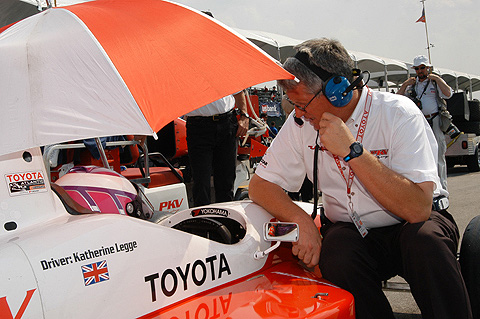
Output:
(114, 67)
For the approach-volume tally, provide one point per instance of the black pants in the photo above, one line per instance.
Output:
(212, 148)
(424, 254)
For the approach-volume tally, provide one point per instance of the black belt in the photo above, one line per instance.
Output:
(211, 118)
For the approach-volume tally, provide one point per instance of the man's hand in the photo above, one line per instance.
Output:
(410, 81)
(335, 135)
(274, 199)
(434, 77)
(243, 123)
(309, 243)
(241, 104)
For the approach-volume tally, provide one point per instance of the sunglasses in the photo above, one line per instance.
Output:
(419, 68)
(303, 108)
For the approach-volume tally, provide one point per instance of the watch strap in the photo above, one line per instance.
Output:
(353, 153)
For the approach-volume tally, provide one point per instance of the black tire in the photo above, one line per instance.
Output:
(456, 105)
(451, 162)
(242, 194)
(474, 110)
(470, 263)
(469, 127)
(473, 161)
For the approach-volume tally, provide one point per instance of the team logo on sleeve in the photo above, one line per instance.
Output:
(380, 153)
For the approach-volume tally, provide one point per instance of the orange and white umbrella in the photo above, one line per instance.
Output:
(115, 67)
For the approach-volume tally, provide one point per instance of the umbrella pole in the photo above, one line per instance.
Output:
(103, 156)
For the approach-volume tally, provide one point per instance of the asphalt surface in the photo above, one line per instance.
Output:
(464, 189)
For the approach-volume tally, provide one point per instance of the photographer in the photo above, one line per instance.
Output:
(426, 90)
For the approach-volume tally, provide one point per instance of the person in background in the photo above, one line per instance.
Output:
(426, 90)
(377, 173)
(212, 132)
(273, 130)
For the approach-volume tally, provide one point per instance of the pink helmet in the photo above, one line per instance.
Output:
(105, 191)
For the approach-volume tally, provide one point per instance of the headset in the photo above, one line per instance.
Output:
(337, 88)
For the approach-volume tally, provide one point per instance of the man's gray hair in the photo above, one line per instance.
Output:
(329, 54)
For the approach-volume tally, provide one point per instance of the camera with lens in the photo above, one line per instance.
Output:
(413, 96)
(452, 131)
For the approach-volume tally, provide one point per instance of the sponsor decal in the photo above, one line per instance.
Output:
(210, 211)
(170, 204)
(380, 153)
(196, 273)
(5, 311)
(76, 257)
(25, 183)
(322, 148)
(263, 163)
(95, 272)
(215, 308)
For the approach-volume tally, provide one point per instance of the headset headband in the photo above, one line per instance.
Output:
(321, 73)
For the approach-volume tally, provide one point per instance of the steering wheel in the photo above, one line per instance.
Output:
(207, 228)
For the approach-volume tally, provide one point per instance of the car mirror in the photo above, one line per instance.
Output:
(279, 231)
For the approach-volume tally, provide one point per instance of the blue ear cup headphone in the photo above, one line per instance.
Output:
(337, 89)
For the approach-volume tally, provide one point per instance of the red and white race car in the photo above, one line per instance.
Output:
(215, 261)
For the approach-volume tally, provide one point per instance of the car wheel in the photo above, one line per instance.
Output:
(450, 162)
(470, 263)
(469, 127)
(474, 110)
(242, 194)
(473, 161)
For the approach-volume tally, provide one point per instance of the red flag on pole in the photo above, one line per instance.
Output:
(422, 18)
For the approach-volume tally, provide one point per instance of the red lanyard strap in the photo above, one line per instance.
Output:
(360, 134)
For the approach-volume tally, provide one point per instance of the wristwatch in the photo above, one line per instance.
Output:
(243, 114)
(356, 149)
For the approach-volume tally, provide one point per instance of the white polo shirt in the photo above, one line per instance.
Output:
(220, 106)
(429, 98)
(396, 133)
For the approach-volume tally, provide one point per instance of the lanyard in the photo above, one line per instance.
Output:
(424, 89)
(361, 132)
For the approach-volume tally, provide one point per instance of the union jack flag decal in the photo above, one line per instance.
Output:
(96, 272)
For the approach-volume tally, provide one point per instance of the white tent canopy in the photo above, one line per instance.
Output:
(278, 46)
(384, 72)
(14, 10)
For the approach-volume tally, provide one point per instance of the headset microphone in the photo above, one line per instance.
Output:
(298, 120)
(354, 84)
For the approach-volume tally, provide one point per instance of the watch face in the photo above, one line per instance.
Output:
(357, 148)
